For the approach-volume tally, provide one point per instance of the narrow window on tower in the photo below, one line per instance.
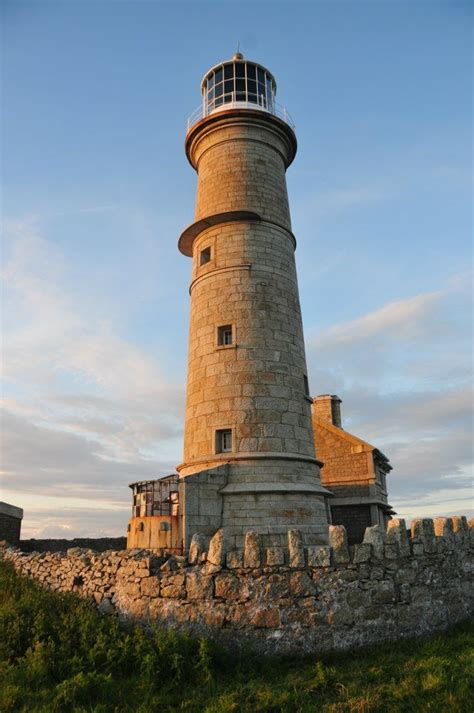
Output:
(205, 256)
(224, 440)
(224, 335)
(306, 385)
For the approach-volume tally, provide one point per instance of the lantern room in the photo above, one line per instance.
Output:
(238, 83)
(238, 80)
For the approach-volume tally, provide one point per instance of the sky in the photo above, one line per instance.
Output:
(97, 189)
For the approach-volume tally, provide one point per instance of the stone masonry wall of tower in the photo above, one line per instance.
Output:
(255, 384)
(241, 165)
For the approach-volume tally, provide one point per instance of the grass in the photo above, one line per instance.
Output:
(58, 654)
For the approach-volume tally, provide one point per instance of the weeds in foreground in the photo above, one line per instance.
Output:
(58, 654)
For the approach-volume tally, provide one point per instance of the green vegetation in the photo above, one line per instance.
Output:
(58, 654)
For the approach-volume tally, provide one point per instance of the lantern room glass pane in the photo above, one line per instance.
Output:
(240, 69)
(219, 75)
(251, 71)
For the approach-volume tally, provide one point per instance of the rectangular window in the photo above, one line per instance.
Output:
(224, 440)
(205, 256)
(224, 335)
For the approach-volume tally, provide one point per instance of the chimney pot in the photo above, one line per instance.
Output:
(327, 407)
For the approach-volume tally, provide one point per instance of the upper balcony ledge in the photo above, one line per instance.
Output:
(202, 111)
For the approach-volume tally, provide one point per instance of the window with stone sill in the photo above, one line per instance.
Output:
(225, 337)
(205, 256)
(224, 440)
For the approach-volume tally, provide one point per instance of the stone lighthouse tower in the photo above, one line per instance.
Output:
(249, 459)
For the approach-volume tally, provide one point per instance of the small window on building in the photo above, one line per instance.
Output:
(224, 335)
(306, 385)
(205, 256)
(141, 527)
(224, 440)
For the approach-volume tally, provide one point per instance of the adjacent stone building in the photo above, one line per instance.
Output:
(354, 471)
(10, 523)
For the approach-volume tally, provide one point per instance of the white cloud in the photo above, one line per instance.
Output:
(405, 344)
(86, 410)
(403, 372)
(399, 320)
(58, 333)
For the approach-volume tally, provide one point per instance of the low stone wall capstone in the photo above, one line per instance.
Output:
(294, 599)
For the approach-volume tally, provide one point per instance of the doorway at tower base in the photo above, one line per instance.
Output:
(245, 496)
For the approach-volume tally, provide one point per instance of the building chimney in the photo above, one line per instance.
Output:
(327, 407)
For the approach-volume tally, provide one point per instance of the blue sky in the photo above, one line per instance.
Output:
(97, 190)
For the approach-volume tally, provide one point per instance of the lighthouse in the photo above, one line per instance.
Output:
(249, 458)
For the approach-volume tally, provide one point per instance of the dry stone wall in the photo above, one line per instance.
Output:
(282, 599)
